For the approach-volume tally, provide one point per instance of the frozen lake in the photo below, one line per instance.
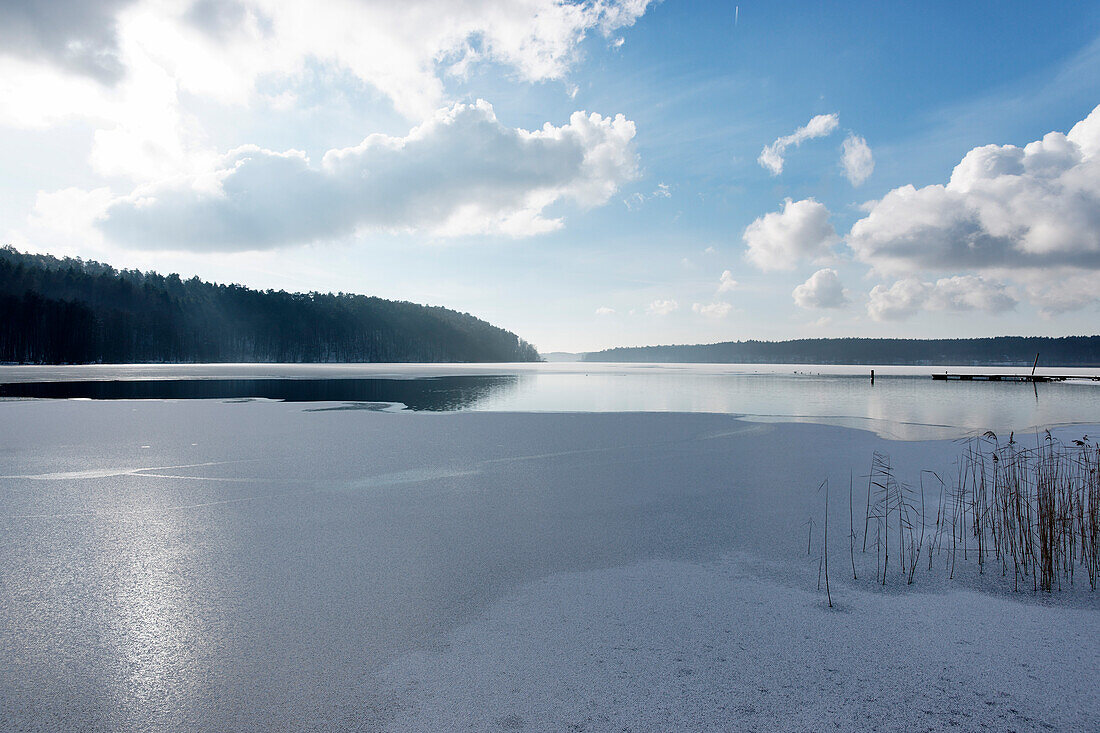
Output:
(561, 546)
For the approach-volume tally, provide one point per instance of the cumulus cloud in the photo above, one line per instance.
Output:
(662, 307)
(461, 172)
(712, 310)
(821, 290)
(960, 293)
(1005, 208)
(726, 282)
(772, 156)
(603, 310)
(777, 240)
(856, 159)
(899, 301)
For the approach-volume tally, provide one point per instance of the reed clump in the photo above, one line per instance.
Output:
(1032, 511)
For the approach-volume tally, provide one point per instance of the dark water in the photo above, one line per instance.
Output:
(430, 393)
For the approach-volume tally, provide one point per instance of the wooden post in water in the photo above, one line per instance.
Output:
(872, 376)
(1033, 367)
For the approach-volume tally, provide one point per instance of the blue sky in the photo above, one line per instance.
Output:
(400, 150)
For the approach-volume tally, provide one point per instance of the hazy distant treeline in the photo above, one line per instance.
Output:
(74, 311)
(1001, 350)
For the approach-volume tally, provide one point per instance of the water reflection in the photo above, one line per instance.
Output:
(151, 619)
(903, 404)
(431, 393)
(900, 407)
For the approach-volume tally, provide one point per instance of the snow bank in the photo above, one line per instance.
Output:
(686, 646)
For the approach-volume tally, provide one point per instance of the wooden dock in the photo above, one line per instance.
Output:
(1032, 377)
(1013, 377)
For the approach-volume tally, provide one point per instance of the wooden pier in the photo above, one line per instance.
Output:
(1032, 377)
(1013, 377)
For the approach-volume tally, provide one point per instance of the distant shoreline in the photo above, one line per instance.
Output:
(1000, 351)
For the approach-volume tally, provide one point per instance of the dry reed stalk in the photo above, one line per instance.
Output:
(1037, 509)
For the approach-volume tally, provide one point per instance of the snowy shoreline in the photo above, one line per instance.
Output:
(717, 646)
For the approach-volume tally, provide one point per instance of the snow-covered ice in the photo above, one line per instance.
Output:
(666, 645)
(264, 566)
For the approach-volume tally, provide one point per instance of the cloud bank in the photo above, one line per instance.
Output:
(462, 172)
(222, 48)
(1027, 214)
(1004, 208)
(136, 70)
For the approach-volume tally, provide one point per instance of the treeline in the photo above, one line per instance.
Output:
(72, 311)
(1081, 351)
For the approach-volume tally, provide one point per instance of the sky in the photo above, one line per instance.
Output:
(587, 174)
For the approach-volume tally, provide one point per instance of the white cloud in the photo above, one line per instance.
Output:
(970, 292)
(901, 300)
(777, 240)
(603, 310)
(221, 49)
(662, 307)
(821, 290)
(726, 282)
(63, 223)
(771, 157)
(70, 212)
(1060, 290)
(132, 68)
(1005, 208)
(713, 310)
(857, 160)
(461, 172)
(960, 293)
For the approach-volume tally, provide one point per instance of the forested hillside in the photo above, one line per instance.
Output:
(1001, 350)
(74, 311)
